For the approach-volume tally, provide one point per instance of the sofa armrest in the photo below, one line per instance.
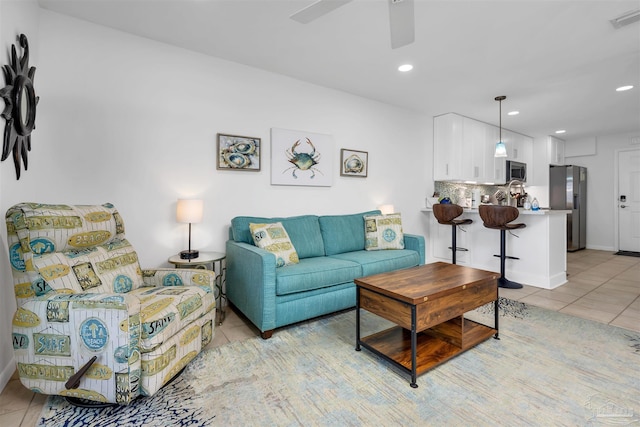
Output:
(55, 335)
(251, 283)
(416, 243)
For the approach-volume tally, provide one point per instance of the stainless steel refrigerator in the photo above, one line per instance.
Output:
(568, 190)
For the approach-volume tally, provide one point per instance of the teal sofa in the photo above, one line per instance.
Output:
(332, 254)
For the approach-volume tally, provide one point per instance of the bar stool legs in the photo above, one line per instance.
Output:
(503, 282)
(446, 214)
(499, 218)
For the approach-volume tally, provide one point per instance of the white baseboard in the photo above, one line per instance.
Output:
(601, 248)
(7, 373)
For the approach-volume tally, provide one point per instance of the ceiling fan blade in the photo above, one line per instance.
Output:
(317, 9)
(401, 22)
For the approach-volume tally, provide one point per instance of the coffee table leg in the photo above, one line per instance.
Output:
(414, 345)
(358, 318)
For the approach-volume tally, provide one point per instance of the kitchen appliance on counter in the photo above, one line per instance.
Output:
(568, 191)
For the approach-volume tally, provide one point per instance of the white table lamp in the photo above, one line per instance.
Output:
(189, 211)
(387, 209)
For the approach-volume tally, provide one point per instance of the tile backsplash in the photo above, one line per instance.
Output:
(454, 190)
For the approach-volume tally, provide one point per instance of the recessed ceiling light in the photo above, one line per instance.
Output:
(406, 67)
(513, 113)
(623, 88)
(561, 131)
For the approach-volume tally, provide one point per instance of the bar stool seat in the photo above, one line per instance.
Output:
(499, 218)
(446, 213)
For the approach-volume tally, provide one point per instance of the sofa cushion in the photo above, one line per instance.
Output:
(343, 233)
(383, 232)
(374, 262)
(304, 232)
(274, 238)
(315, 273)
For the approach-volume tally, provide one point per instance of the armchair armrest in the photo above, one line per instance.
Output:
(179, 277)
(416, 243)
(55, 335)
(251, 283)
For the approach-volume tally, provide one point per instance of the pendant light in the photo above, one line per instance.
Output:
(501, 149)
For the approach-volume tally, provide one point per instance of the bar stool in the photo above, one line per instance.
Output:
(499, 218)
(446, 213)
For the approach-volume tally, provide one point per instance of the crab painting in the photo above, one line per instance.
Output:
(303, 161)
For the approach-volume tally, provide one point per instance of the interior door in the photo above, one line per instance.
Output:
(629, 200)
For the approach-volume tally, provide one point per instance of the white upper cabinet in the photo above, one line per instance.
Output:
(464, 150)
(473, 150)
(496, 165)
(555, 151)
(447, 147)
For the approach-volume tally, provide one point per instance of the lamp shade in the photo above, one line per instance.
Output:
(189, 210)
(501, 149)
(386, 209)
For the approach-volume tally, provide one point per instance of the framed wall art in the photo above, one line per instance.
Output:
(301, 158)
(238, 153)
(354, 163)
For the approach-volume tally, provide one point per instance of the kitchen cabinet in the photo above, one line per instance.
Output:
(464, 150)
(555, 151)
(447, 147)
(474, 151)
(496, 166)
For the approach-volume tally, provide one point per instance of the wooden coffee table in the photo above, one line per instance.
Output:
(428, 305)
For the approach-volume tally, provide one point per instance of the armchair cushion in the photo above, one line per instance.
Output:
(111, 267)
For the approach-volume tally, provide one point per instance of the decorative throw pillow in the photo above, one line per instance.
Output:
(383, 232)
(274, 238)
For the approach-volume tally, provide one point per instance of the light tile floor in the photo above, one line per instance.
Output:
(602, 286)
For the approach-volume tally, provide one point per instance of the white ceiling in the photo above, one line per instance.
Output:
(557, 61)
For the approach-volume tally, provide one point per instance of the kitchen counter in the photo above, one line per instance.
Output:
(541, 211)
(541, 247)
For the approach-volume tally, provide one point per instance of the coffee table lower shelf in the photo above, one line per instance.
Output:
(434, 346)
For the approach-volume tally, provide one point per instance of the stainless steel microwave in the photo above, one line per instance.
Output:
(516, 170)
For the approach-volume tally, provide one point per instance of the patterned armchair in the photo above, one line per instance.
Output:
(90, 323)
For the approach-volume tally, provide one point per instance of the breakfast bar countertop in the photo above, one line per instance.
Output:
(541, 211)
(537, 252)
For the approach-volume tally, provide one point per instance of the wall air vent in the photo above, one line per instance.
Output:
(626, 18)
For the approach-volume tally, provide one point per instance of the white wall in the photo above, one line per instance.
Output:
(19, 16)
(601, 177)
(133, 122)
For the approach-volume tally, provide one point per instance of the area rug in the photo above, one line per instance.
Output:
(548, 368)
(628, 253)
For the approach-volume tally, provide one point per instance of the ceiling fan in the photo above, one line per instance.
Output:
(401, 20)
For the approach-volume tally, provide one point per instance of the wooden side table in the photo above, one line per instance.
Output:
(214, 261)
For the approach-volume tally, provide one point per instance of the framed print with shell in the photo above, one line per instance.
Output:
(301, 158)
(354, 163)
(238, 153)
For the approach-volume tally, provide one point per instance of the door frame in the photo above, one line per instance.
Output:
(616, 179)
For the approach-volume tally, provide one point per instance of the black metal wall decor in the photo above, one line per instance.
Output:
(20, 102)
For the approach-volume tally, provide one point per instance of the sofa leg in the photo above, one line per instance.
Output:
(266, 334)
